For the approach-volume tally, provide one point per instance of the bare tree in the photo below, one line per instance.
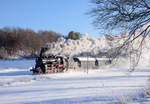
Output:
(27, 42)
(129, 15)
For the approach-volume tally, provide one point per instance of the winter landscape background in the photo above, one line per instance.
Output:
(59, 26)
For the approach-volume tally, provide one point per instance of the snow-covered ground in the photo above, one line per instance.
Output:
(102, 86)
(107, 85)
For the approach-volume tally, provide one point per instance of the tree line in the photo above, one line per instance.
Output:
(25, 42)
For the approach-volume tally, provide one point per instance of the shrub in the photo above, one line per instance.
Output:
(74, 35)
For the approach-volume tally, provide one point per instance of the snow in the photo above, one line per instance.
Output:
(102, 86)
(145, 100)
(112, 84)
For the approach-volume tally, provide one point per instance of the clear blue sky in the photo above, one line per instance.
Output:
(61, 16)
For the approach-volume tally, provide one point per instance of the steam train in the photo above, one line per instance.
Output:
(49, 63)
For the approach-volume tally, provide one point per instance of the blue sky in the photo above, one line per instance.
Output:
(61, 16)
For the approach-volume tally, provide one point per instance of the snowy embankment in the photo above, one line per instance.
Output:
(102, 86)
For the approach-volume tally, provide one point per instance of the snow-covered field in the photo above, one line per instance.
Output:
(102, 86)
(107, 85)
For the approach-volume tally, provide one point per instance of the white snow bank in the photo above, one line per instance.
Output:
(8, 70)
